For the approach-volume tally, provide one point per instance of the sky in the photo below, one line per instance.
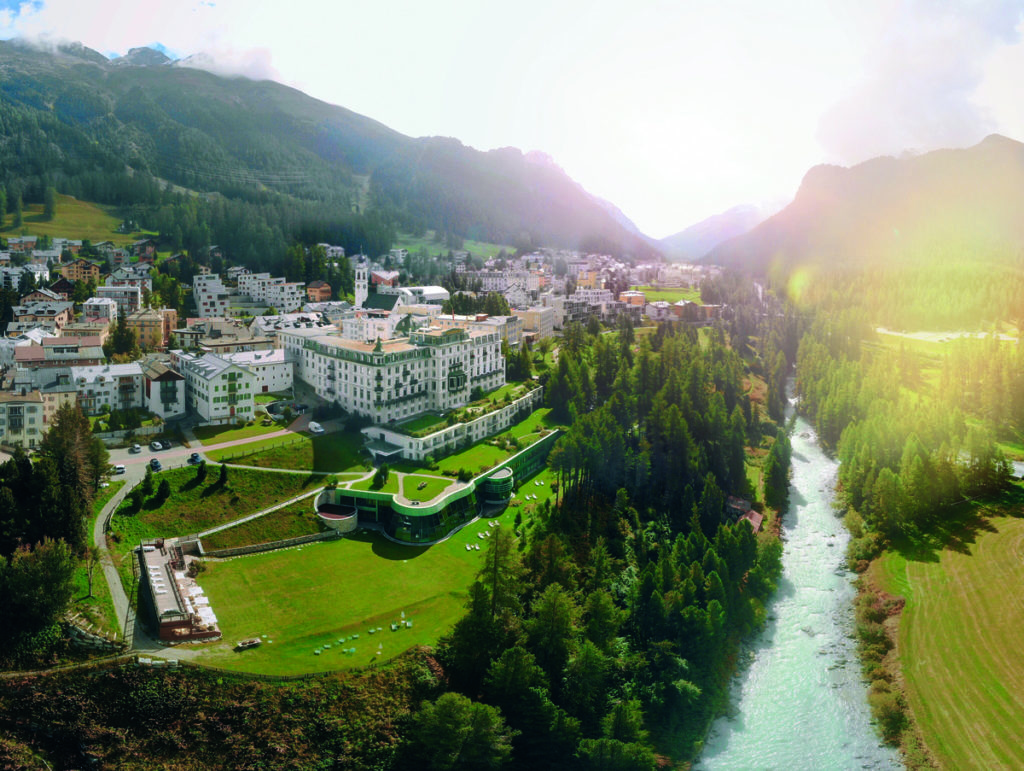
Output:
(672, 110)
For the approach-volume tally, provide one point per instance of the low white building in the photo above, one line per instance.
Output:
(118, 386)
(447, 439)
(271, 369)
(216, 390)
(102, 308)
(413, 295)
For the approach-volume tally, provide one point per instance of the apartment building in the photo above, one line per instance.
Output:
(128, 298)
(216, 390)
(211, 297)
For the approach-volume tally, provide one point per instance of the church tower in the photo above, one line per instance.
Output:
(362, 271)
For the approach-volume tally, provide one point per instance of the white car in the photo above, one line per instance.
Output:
(315, 428)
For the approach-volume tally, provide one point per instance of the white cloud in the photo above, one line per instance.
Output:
(920, 85)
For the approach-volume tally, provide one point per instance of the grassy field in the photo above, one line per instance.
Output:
(193, 508)
(216, 434)
(305, 598)
(476, 248)
(74, 219)
(328, 453)
(669, 295)
(959, 631)
(98, 609)
(432, 487)
(290, 522)
(271, 398)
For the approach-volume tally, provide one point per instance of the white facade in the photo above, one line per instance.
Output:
(100, 308)
(163, 389)
(118, 386)
(216, 390)
(271, 369)
(450, 438)
(282, 295)
(431, 370)
(413, 295)
(211, 296)
(128, 298)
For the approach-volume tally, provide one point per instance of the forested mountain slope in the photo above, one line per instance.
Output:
(95, 128)
(935, 240)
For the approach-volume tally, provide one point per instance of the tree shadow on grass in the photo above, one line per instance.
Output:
(389, 550)
(958, 527)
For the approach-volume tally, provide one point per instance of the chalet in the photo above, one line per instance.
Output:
(81, 270)
(67, 245)
(63, 287)
(144, 248)
(41, 296)
(318, 291)
(755, 519)
(22, 243)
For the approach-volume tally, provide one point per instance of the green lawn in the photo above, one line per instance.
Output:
(421, 423)
(193, 508)
(959, 631)
(305, 598)
(432, 487)
(328, 453)
(271, 398)
(290, 522)
(484, 455)
(74, 219)
(98, 609)
(216, 434)
(391, 486)
(669, 295)
(476, 248)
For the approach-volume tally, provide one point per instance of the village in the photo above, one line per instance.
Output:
(387, 354)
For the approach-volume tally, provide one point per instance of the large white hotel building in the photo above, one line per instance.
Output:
(430, 370)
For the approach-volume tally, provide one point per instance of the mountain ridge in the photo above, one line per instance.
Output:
(890, 210)
(242, 137)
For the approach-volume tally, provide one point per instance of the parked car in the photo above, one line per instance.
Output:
(300, 407)
(166, 444)
(154, 446)
(135, 448)
(315, 428)
(194, 458)
(120, 469)
(154, 464)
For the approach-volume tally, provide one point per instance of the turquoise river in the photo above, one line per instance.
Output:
(798, 701)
